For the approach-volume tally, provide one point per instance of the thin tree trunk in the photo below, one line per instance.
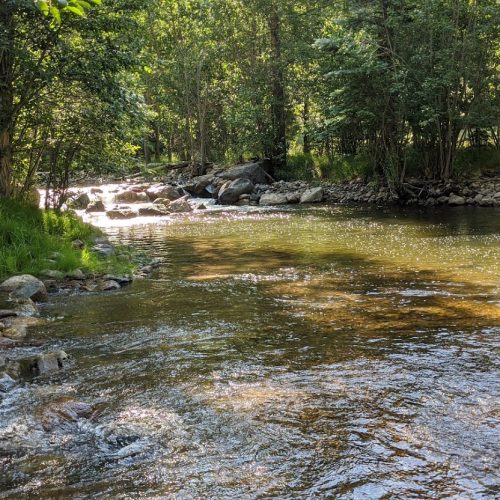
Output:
(278, 117)
(6, 98)
(305, 123)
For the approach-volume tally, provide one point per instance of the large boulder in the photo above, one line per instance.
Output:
(230, 194)
(252, 171)
(164, 191)
(313, 195)
(25, 286)
(201, 186)
(269, 199)
(181, 205)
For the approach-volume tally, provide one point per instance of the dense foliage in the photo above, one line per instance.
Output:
(381, 87)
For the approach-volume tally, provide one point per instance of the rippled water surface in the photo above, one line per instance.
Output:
(324, 352)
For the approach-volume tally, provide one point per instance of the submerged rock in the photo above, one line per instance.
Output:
(64, 411)
(6, 382)
(25, 286)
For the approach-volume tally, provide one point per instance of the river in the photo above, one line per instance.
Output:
(332, 351)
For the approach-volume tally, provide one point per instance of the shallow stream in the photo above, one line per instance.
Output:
(331, 351)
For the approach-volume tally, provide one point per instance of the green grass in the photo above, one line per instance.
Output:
(32, 240)
(309, 167)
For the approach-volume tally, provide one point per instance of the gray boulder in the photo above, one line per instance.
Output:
(269, 199)
(25, 286)
(313, 195)
(251, 171)
(164, 191)
(230, 194)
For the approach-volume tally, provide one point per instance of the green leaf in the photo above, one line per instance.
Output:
(44, 7)
(54, 12)
(75, 10)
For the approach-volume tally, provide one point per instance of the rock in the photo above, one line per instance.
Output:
(52, 274)
(104, 249)
(198, 185)
(75, 274)
(127, 196)
(293, 197)
(26, 308)
(96, 190)
(231, 193)
(78, 244)
(161, 201)
(252, 171)
(48, 363)
(64, 411)
(269, 199)
(168, 192)
(313, 195)
(442, 200)
(201, 206)
(109, 285)
(6, 382)
(95, 206)
(6, 343)
(7, 313)
(456, 200)
(180, 206)
(121, 280)
(154, 211)
(25, 286)
(486, 201)
(17, 328)
(80, 201)
(121, 213)
(156, 262)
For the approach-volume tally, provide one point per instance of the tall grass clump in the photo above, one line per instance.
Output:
(32, 240)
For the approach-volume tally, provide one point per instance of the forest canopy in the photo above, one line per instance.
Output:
(382, 88)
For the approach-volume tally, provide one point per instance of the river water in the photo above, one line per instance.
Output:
(332, 351)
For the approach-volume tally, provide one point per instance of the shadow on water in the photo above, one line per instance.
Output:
(300, 354)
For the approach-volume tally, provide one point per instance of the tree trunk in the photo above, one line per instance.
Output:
(278, 147)
(6, 98)
(305, 122)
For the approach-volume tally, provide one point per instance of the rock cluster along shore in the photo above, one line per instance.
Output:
(250, 184)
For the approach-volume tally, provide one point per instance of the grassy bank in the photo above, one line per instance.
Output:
(33, 240)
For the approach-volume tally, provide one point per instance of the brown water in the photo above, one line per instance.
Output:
(327, 352)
